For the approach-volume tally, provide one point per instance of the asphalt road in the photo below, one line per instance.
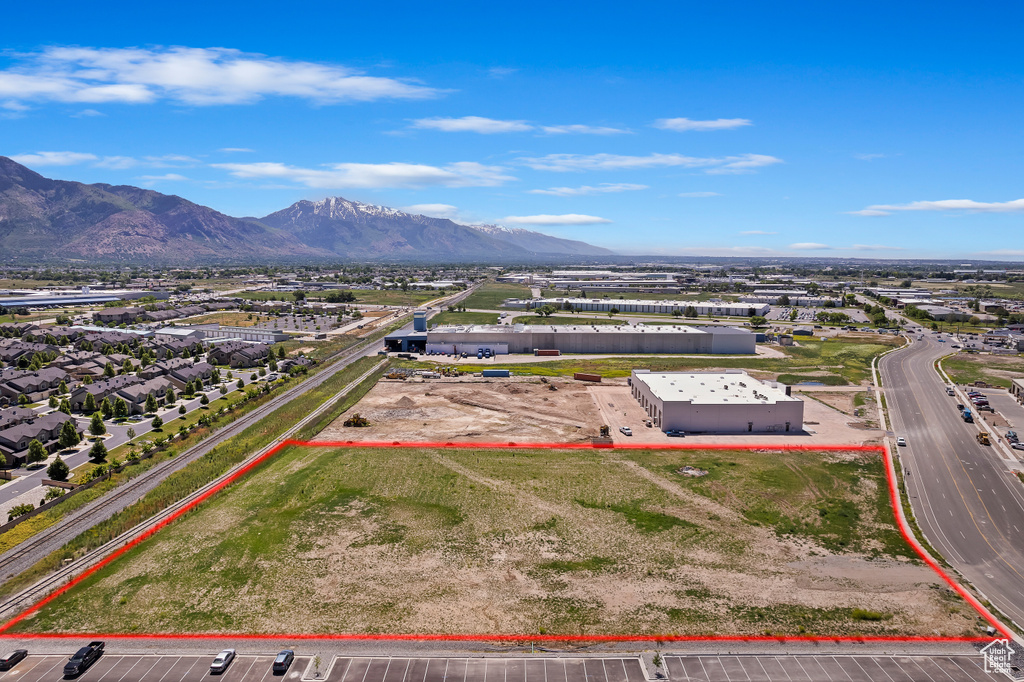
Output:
(968, 503)
(249, 668)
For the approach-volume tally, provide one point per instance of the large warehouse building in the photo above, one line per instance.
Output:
(579, 338)
(733, 402)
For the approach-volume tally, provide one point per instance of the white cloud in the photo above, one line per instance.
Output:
(698, 195)
(869, 157)
(234, 150)
(13, 105)
(195, 76)
(875, 247)
(604, 188)
(565, 219)
(965, 205)
(809, 246)
(1011, 253)
(685, 124)
(754, 232)
(434, 210)
(53, 158)
(117, 162)
(472, 124)
(500, 71)
(171, 177)
(374, 175)
(743, 163)
(580, 129)
(84, 113)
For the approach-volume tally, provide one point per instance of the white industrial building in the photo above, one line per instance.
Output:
(801, 300)
(733, 402)
(586, 338)
(721, 308)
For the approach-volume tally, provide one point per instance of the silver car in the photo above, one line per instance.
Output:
(223, 660)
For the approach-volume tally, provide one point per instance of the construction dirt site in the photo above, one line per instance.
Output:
(543, 409)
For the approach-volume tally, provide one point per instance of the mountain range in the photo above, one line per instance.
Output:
(45, 220)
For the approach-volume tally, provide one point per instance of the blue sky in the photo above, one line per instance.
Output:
(816, 129)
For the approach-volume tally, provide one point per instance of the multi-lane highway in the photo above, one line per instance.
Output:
(967, 501)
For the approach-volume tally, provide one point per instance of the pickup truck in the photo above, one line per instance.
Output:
(82, 659)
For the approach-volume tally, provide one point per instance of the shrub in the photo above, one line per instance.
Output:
(58, 470)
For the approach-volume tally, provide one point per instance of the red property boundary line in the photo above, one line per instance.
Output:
(890, 471)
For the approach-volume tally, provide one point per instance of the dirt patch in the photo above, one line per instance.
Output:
(520, 410)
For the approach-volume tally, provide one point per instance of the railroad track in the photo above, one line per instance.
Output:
(17, 603)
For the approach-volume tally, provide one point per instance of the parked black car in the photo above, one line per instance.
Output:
(82, 659)
(283, 660)
(11, 659)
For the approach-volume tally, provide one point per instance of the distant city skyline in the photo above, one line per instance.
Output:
(868, 131)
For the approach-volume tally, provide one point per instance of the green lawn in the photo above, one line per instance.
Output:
(490, 295)
(448, 317)
(565, 319)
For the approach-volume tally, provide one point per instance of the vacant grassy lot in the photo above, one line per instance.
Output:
(834, 362)
(491, 295)
(593, 541)
(997, 370)
(447, 317)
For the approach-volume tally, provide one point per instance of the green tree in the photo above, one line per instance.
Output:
(89, 406)
(64, 406)
(62, 389)
(58, 470)
(106, 408)
(108, 370)
(181, 411)
(96, 425)
(36, 452)
(203, 400)
(120, 408)
(169, 397)
(240, 385)
(23, 399)
(53, 402)
(280, 352)
(157, 423)
(98, 451)
(784, 300)
(758, 321)
(69, 437)
(151, 405)
(127, 367)
(223, 389)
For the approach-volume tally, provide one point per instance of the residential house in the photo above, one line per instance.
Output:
(14, 440)
(137, 394)
(239, 354)
(200, 370)
(15, 415)
(37, 385)
(163, 367)
(101, 389)
(118, 315)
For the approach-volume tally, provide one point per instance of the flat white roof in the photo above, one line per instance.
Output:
(569, 329)
(711, 389)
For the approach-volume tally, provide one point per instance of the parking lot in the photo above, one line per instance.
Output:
(825, 668)
(142, 668)
(822, 668)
